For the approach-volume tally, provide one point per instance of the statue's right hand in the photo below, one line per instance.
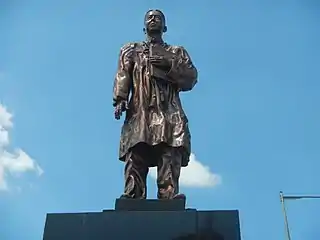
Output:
(120, 107)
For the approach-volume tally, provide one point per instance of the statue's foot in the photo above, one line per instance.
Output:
(169, 193)
(179, 196)
(125, 196)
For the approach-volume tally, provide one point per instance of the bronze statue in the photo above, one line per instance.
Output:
(155, 130)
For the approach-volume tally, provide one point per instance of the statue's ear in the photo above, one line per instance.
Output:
(165, 29)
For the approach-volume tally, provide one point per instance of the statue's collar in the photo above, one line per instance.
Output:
(154, 40)
(158, 42)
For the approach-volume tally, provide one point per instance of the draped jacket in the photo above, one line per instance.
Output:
(155, 113)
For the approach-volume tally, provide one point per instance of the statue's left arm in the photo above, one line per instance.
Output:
(183, 73)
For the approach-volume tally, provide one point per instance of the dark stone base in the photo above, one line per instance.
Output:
(123, 204)
(154, 220)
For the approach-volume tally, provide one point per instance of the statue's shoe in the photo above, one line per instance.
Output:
(179, 196)
(125, 196)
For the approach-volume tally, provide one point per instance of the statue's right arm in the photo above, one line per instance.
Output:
(123, 79)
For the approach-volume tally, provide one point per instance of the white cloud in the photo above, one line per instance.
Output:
(195, 175)
(13, 163)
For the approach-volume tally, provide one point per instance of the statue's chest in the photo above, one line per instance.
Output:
(141, 55)
(143, 52)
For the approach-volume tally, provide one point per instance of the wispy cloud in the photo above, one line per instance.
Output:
(195, 175)
(16, 162)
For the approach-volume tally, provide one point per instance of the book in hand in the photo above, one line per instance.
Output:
(160, 52)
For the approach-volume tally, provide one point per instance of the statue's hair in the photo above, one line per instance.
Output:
(159, 11)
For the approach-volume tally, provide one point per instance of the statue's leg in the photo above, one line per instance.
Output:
(169, 167)
(135, 172)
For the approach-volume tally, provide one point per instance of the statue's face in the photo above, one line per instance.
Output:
(154, 21)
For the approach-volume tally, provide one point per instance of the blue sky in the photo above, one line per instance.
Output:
(254, 114)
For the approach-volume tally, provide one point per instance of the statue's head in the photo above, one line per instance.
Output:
(155, 22)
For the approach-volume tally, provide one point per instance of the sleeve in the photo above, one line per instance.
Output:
(123, 79)
(183, 73)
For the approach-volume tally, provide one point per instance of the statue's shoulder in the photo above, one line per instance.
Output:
(130, 46)
(174, 48)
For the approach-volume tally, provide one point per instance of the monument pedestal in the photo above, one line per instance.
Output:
(144, 219)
